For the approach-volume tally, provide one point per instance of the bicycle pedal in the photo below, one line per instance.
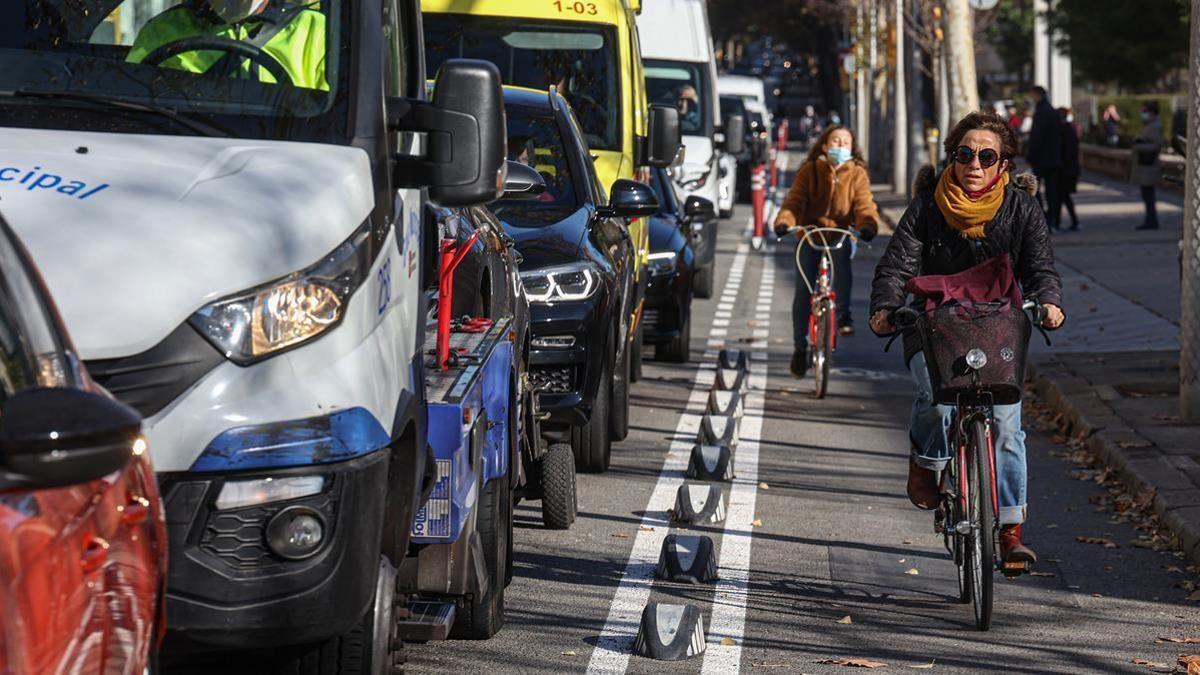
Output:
(1014, 569)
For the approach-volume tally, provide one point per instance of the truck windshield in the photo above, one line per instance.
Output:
(580, 61)
(683, 85)
(242, 68)
(535, 139)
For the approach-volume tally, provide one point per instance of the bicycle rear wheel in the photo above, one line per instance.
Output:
(822, 349)
(982, 542)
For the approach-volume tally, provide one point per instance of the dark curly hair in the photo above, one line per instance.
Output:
(987, 121)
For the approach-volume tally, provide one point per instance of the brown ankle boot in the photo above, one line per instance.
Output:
(1011, 548)
(922, 486)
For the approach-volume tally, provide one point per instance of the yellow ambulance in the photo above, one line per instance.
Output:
(590, 51)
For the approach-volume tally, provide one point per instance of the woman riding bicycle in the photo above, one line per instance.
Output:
(972, 212)
(831, 189)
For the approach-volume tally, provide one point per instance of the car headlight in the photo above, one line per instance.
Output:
(662, 263)
(693, 180)
(573, 281)
(255, 324)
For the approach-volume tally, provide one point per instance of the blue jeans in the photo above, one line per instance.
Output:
(810, 261)
(931, 448)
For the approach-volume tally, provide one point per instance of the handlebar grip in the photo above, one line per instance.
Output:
(903, 317)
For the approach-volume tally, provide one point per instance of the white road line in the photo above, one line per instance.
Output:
(730, 596)
(613, 648)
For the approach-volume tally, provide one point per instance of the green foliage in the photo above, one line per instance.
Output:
(1011, 34)
(1132, 43)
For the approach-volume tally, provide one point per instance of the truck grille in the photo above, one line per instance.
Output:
(152, 379)
(553, 379)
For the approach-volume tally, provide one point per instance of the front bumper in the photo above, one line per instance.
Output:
(226, 588)
(568, 377)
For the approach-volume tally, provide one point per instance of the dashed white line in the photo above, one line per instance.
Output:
(612, 651)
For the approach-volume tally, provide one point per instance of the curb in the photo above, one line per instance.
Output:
(1139, 466)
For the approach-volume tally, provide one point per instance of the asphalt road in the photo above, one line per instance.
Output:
(819, 529)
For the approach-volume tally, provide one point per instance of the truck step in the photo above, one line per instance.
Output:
(427, 620)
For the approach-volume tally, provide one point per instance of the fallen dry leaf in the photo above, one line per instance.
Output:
(922, 666)
(854, 663)
(1180, 640)
(1106, 543)
(1189, 661)
(764, 486)
(728, 642)
(1150, 664)
(756, 523)
(764, 664)
(618, 535)
(645, 528)
(912, 571)
(1195, 595)
(846, 620)
(906, 541)
(568, 652)
(1166, 418)
(1132, 445)
(1041, 574)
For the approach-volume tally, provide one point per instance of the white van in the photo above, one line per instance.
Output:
(750, 89)
(681, 70)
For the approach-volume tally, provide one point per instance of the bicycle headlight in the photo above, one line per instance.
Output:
(573, 281)
(662, 263)
(257, 323)
(976, 359)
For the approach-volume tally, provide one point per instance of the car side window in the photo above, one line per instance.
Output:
(589, 166)
(31, 353)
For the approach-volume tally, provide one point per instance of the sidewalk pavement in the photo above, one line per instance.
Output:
(1112, 372)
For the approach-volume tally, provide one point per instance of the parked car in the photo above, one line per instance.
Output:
(577, 269)
(82, 538)
(672, 268)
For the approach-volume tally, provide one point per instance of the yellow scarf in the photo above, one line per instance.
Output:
(968, 216)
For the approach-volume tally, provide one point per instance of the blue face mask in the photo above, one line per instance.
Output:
(1145, 116)
(839, 155)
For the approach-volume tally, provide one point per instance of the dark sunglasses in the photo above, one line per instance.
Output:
(987, 156)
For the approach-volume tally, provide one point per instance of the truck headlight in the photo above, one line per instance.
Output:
(573, 281)
(662, 263)
(255, 324)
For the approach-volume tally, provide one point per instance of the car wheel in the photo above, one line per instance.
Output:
(703, 282)
(591, 442)
(727, 213)
(619, 411)
(679, 348)
(482, 616)
(559, 498)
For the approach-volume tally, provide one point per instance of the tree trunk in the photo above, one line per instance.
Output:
(900, 179)
(1189, 324)
(960, 60)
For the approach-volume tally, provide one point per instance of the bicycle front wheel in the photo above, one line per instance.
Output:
(981, 546)
(822, 349)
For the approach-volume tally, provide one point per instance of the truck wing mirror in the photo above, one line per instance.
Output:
(51, 437)
(664, 139)
(735, 135)
(523, 182)
(464, 127)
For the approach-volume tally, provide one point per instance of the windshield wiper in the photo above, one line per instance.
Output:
(119, 103)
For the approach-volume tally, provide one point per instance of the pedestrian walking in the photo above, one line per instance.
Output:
(1112, 126)
(1014, 119)
(810, 124)
(1068, 174)
(1044, 152)
(974, 210)
(1146, 168)
(831, 189)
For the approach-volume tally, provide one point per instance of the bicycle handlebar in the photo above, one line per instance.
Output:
(810, 231)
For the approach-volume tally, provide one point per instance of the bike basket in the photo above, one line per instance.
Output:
(999, 329)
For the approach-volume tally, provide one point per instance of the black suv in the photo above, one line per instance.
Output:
(577, 262)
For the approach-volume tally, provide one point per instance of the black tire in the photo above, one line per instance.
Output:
(821, 353)
(560, 501)
(727, 213)
(679, 348)
(638, 353)
(479, 618)
(361, 651)
(957, 548)
(619, 411)
(981, 549)
(703, 281)
(591, 442)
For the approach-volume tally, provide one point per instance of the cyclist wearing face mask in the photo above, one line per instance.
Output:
(291, 34)
(831, 189)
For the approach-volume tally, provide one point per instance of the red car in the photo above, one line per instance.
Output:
(82, 537)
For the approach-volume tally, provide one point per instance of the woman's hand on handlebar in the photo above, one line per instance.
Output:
(1052, 316)
(881, 323)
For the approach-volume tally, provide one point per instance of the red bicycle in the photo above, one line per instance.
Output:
(822, 321)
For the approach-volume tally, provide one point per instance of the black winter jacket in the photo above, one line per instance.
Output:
(924, 244)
